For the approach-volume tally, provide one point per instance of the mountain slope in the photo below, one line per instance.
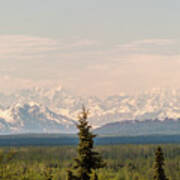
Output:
(34, 118)
(137, 128)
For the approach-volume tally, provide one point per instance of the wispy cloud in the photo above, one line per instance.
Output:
(23, 46)
(111, 68)
(147, 42)
(153, 46)
(20, 46)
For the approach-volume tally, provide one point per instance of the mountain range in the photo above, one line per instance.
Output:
(40, 110)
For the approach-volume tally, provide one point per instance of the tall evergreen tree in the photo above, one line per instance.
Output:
(87, 159)
(159, 173)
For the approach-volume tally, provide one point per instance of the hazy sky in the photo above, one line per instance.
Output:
(93, 47)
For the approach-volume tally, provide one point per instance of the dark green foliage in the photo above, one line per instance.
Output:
(48, 174)
(87, 159)
(5, 158)
(123, 162)
(70, 175)
(159, 173)
(94, 177)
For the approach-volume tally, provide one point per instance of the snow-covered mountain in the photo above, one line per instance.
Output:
(33, 118)
(56, 110)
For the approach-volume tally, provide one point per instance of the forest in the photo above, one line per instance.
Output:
(123, 162)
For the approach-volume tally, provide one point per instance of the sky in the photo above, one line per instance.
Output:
(95, 47)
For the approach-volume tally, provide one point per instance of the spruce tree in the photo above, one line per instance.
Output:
(159, 173)
(87, 159)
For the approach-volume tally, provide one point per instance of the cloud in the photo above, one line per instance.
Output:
(153, 46)
(147, 42)
(27, 47)
(88, 66)
(11, 84)
(22, 47)
(142, 72)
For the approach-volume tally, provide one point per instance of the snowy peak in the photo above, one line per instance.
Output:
(32, 117)
(58, 107)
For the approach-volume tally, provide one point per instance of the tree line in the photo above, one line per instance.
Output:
(88, 161)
